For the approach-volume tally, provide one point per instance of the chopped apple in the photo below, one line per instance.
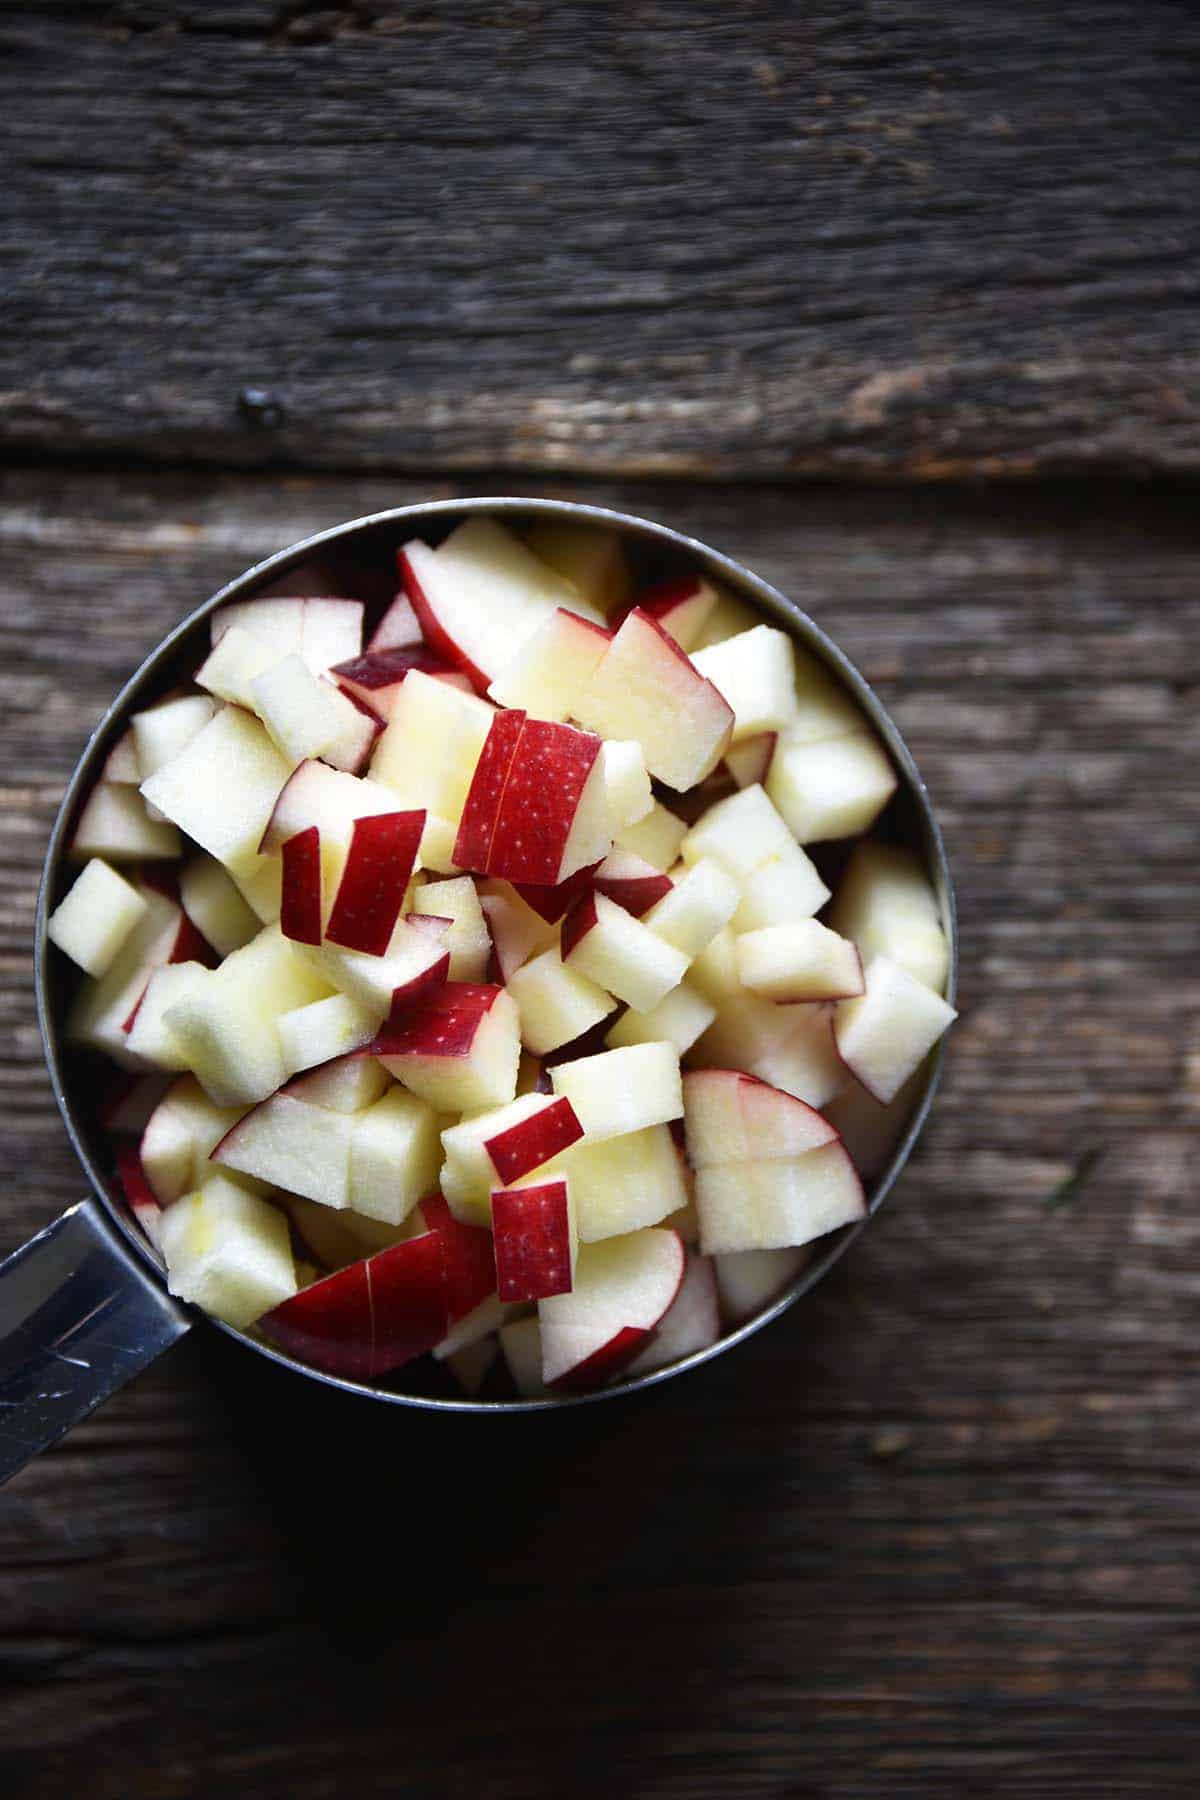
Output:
(371, 1317)
(121, 763)
(622, 1090)
(552, 667)
(348, 1084)
(823, 708)
(139, 1195)
(727, 618)
(533, 1228)
(749, 761)
(833, 788)
(627, 782)
(222, 788)
(309, 717)
(803, 961)
(234, 663)
(395, 1154)
(701, 903)
(756, 673)
(886, 905)
(768, 1205)
(748, 1280)
(259, 881)
(680, 1018)
(616, 951)
(885, 1034)
(646, 688)
(410, 973)
(691, 1323)
(115, 825)
(162, 731)
(180, 1135)
(95, 919)
(471, 1365)
(427, 757)
(554, 903)
(149, 1036)
(714, 973)
(467, 938)
(623, 1184)
(399, 628)
(324, 1031)
(871, 1132)
(375, 680)
(323, 630)
(292, 1145)
(103, 1008)
(731, 1117)
(470, 1271)
(459, 1050)
(591, 558)
(228, 1251)
(789, 1047)
(656, 837)
(379, 865)
(681, 607)
(537, 808)
(300, 896)
(521, 1347)
(623, 1288)
(336, 1239)
(518, 933)
(784, 890)
(330, 799)
(631, 881)
(556, 1004)
(477, 1325)
(496, 1148)
(212, 902)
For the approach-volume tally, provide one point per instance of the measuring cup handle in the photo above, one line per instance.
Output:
(79, 1316)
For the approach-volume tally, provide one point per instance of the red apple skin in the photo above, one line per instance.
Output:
(420, 991)
(532, 1142)
(579, 921)
(435, 636)
(636, 893)
(550, 768)
(398, 629)
(387, 668)
(480, 815)
(552, 901)
(444, 1025)
(532, 1241)
(371, 1317)
(300, 888)
(383, 849)
(132, 1177)
(470, 1261)
(603, 1363)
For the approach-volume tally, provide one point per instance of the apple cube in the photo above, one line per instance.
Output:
(234, 663)
(94, 920)
(731, 1117)
(307, 716)
(139, 1195)
(749, 761)
(331, 799)
(180, 1135)
(348, 1084)
(427, 757)
(533, 1228)
(411, 973)
(552, 667)
(399, 628)
(727, 618)
(556, 1004)
(374, 681)
(395, 1154)
(681, 607)
(871, 1132)
(885, 1034)
(322, 629)
(691, 1323)
(290, 1144)
(590, 558)
(222, 788)
(150, 1038)
(631, 882)
(518, 933)
(604, 942)
(121, 763)
(212, 902)
(228, 1251)
(784, 890)
(804, 961)
(481, 594)
(323, 1031)
(743, 833)
(300, 888)
(656, 837)
(554, 903)
(886, 904)
(537, 808)
(458, 1050)
(679, 1019)
(622, 1090)
(336, 1239)
(756, 673)
(714, 973)
(771, 1204)
(163, 731)
(369, 1318)
(789, 1047)
(623, 1184)
(623, 1288)
(470, 1273)
(467, 938)
(701, 903)
(103, 1008)
(476, 1326)
(748, 1280)
(646, 688)
(627, 781)
(259, 881)
(378, 867)
(499, 1147)
(521, 1347)
(822, 707)
(115, 825)
(831, 789)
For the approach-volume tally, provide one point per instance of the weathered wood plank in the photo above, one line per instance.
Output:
(932, 1534)
(707, 238)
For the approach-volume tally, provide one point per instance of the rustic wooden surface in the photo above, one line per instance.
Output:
(880, 237)
(934, 1532)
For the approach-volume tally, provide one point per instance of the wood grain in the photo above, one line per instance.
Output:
(720, 239)
(933, 1533)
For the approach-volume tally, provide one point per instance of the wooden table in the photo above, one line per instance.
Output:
(934, 1532)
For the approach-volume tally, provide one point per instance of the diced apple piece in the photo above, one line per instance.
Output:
(623, 1184)
(537, 808)
(556, 1004)
(290, 1144)
(470, 1270)
(622, 1090)
(322, 629)
(228, 1251)
(727, 618)
(323, 1031)
(121, 763)
(679, 1019)
(554, 903)
(260, 883)
(552, 667)
(884, 1035)
(831, 789)
(681, 607)
(517, 932)
(471, 1365)
(330, 799)
(623, 1289)
(399, 628)
(804, 961)
(631, 881)
(306, 716)
(701, 903)
(238, 657)
(823, 708)
(784, 890)
(467, 937)
(300, 890)
(627, 782)
(691, 1323)
(104, 1007)
(886, 905)
(115, 825)
(646, 688)
(789, 1047)
(871, 1132)
(521, 1347)
(427, 757)
(374, 681)
(348, 1084)
(756, 673)
(731, 1117)
(749, 761)
(459, 1050)
(481, 1322)
(714, 973)
(371, 1317)
(533, 1228)
(410, 974)
(395, 1154)
(94, 920)
(656, 837)
(379, 865)
(742, 833)
(180, 1135)
(163, 731)
(150, 1038)
(590, 558)
(616, 951)
(139, 1195)
(496, 1148)
(214, 905)
(748, 1280)
(336, 1239)
(222, 788)
(770, 1205)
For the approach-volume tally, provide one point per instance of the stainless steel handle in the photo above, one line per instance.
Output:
(79, 1317)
